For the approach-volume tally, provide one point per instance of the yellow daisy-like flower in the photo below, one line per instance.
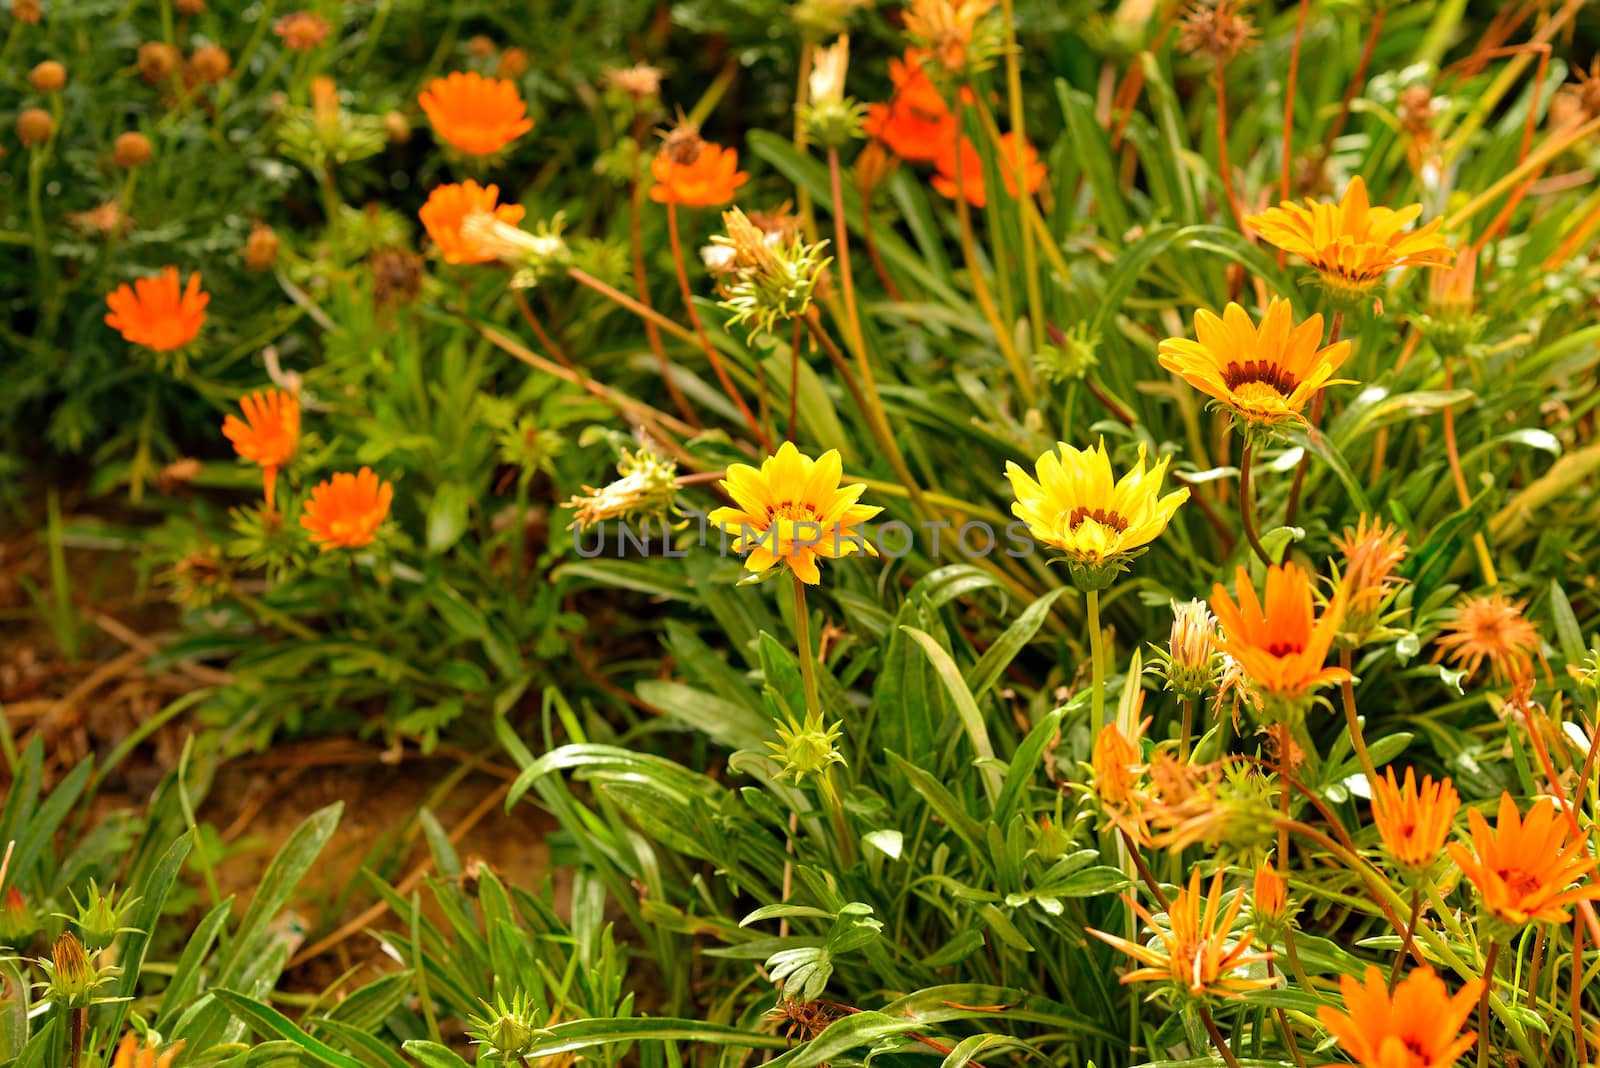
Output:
(1267, 374)
(1351, 244)
(792, 511)
(1076, 504)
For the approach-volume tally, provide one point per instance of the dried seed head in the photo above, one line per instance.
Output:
(641, 81)
(642, 493)
(132, 149)
(397, 276)
(261, 247)
(157, 61)
(48, 77)
(1218, 28)
(682, 143)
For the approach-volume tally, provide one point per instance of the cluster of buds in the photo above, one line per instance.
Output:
(1372, 551)
(807, 748)
(508, 1029)
(767, 279)
(532, 257)
(1189, 662)
(832, 118)
(643, 491)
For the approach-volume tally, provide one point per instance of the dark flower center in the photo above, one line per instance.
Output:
(1264, 372)
(1104, 516)
(1282, 649)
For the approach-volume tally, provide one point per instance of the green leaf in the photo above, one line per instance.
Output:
(447, 516)
(966, 708)
(268, 1022)
(987, 671)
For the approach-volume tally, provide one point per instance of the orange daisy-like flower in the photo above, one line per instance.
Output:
(447, 209)
(1016, 157)
(477, 115)
(1418, 1027)
(156, 312)
(346, 511)
(695, 173)
(916, 123)
(1525, 869)
(1281, 645)
(947, 29)
(301, 30)
(1351, 244)
(1198, 955)
(1413, 820)
(268, 434)
(1265, 375)
(134, 1053)
(792, 511)
(1493, 628)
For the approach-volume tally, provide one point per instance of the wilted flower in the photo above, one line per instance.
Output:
(261, 247)
(1413, 820)
(209, 65)
(916, 123)
(478, 116)
(644, 491)
(694, 172)
(1015, 157)
(1218, 28)
(1371, 551)
(302, 30)
(1075, 503)
(793, 510)
(1264, 375)
(156, 312)
(1280, 644)
(346, 511)
(953, 33)
(1490, 627)
(157, 61)
(1198, 955)
(641, 81)
(1525, 869)
(448, 208)
(1419, 1026)
(769, 281)
(533, 255)
(268, 434)
(397, 275)
(1351, 244)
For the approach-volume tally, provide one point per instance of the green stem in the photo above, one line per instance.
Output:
(1411, 933)
(1247, 508)
(1216, 1037)
(1353, 722)
(1188, 729)
(1483, 1004)
(802, 635)
(1097, 665)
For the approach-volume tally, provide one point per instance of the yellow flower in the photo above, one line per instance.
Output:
(1351, 244)
(1267, 374)
(1076, 504)
(793, 510)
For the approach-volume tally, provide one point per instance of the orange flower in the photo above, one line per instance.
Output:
(916, 122)
(1419, 1027)
(268, 434)
(1280, 647)
(1490, 628)
(345, 511)
(301, 30)
(1523, 869)
(1197, 955)
(948, 28)
(156, 313)
(971, 183)
(1414, 821)
(695, 173)
(478, 115)
(1351, 244)
(448, 207)
(132, 1053)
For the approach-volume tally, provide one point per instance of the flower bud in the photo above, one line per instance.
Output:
(18, 922)
(132, 149)
(28, 11)
(34, 127)
(513, 64)
(481, 46)
(99, 917)
(397, 126)
(1372, 551)
(508, 1029)
(72, 976)
(210, 64)
(1189, 659)
(48, 77)
(808, 748)
(1270, 901)
(772, 280)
